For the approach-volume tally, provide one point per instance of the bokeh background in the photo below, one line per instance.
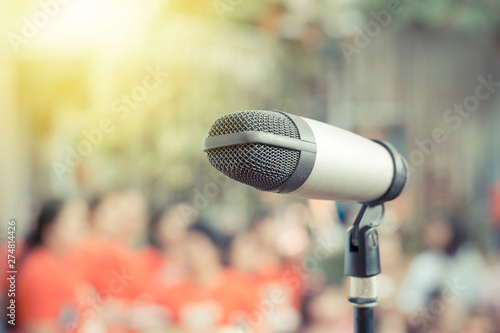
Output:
(118, 94)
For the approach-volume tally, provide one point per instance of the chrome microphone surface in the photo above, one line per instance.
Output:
(283, 153)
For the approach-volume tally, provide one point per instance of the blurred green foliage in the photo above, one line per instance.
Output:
(469, 16)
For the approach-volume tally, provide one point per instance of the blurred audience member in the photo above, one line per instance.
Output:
(327, 312)
(489, 294)
(113, 266)
(50, 290)
(242, 253)
(272, 269)
(450, 268)
(133, 218)
(212, 296)
(105, 259)
(479, 322)
(277, 265)
(105, 217)
(168, 230)
(393, 265)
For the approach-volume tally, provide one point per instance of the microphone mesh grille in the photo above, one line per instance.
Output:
(262, 166)
(255, 120)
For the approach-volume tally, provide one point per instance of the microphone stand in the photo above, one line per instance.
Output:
(362, 265)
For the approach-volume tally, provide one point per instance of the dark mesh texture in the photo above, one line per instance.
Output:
(255, 120)
(259, 165)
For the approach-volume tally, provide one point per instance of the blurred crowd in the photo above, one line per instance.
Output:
(87, 268)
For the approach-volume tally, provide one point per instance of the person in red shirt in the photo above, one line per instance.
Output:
(275, 274)
(112, 264)
(272, 269)
(213, 296)
(49, 290)
(107, 256)
(168, 231)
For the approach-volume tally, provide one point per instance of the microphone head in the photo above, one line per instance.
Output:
(264, 166)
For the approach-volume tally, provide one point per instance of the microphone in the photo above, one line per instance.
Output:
(284, 153)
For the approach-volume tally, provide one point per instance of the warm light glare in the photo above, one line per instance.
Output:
(87, 22)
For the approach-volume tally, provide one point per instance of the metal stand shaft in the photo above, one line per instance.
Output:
(363, 320)
(362, 264)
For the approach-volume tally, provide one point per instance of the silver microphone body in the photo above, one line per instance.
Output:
(283, 153)
(348, 167)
